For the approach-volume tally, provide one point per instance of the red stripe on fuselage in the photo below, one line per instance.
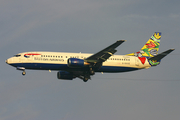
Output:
(31, 54)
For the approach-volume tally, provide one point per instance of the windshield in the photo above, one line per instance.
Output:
(17, 55)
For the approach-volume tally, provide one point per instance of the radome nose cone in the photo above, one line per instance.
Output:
(6, 61)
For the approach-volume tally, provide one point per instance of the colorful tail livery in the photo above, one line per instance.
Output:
(150, 49)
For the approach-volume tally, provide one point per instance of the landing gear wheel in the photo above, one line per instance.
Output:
(92, 72)
(86, 76)
(23, 73)
(85, 79)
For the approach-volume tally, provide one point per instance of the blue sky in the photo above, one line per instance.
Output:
(89, 26)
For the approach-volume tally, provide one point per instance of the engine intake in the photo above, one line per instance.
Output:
(64, 75)
(76, 63)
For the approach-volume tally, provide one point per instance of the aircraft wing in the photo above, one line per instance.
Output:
(104, 54)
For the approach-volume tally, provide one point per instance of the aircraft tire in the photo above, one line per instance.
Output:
(23, 73)
(92, 72)
(85, 79)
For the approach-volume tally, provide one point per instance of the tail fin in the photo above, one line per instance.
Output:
(150, 49)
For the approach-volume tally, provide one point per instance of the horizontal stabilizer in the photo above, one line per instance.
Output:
(161, 55)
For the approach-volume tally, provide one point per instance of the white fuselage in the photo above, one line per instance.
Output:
(58, 61)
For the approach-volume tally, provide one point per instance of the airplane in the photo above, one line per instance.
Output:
(83, 66)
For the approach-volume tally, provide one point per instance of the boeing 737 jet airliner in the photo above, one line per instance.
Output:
(72, 65)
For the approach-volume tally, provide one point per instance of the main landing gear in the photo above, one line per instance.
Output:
(85, 79)
(87, 75)
(91, 71)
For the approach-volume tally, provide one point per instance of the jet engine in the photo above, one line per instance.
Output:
(76, 63)
(64, 75)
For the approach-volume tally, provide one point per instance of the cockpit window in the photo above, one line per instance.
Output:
(17, 55)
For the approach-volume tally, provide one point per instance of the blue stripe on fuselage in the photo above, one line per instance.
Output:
(41, 66)
(115, 69)
(44, 66)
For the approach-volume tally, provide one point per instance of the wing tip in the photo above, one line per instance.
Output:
(172, 49)
(121, 40)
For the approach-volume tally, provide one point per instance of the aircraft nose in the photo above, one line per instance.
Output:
(7, 61)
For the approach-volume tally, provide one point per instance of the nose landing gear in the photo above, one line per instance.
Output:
(23, 73)
(22, 69)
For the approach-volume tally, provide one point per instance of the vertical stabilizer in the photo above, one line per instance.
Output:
(150, 49)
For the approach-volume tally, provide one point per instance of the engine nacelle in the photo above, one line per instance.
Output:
(76, 63)
(64, 75)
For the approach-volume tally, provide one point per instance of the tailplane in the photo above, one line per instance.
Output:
(156, 59)
(150, 49)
